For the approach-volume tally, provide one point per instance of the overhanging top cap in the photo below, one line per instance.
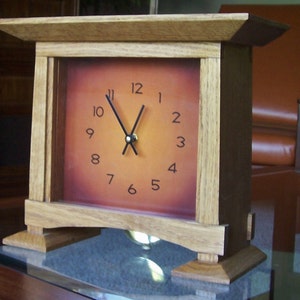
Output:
(241, 28)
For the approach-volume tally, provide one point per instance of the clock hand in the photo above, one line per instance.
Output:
(116, 114)
(132, 135)
(128, 138)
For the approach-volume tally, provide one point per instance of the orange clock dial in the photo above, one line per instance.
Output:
(131, 134)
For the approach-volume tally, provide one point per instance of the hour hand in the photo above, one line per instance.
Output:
(132, 134)
(129, 138)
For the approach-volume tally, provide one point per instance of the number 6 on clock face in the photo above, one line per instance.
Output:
(131, 124)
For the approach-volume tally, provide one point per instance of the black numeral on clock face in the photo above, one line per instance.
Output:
(90, 132)
(95, 159)
(172, 168)
(159, 97)
(111, 177)
(111, 94)
(176, 118)
(132, 190)
(98, 111)
(155, 184)
(136, 88)
(181, 142)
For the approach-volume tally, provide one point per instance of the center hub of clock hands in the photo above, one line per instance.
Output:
(131, 137)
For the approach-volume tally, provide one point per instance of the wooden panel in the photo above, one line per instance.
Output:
(14, 181)
(50, 125)
(16, 87)
(16, 95)
(197, 237)
(16, 76)
(226, 271)
(207, 210)
(35, 8)
(38, 133)
(240, 28)
(16, 59)
(43, 240)
(55, 130)
(235, 147)
(11, 215)
(128, 49)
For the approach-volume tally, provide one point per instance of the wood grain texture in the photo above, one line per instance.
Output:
(47, 240)
(11, 215)
(50, 126)
(240, 28)
(250, 226)
(224, 272)
(14, 181)
(208, 170)
(110, 49)
(235, 143)
(38, 132)
(207, 204)
(56, 145)
(190, 234)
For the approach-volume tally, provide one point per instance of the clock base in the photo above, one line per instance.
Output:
(224, 272)
(49, 239)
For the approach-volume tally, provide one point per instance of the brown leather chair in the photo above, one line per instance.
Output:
(276, 88)
(276, 128)
(274, 144)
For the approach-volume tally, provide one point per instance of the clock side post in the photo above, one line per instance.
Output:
(37, 151)
(38, 131)
(207, 198)
(46, 164)
(236, 144)
(224, 165)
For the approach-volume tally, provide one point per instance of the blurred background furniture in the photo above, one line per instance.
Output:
(16, 89)
(276, 88)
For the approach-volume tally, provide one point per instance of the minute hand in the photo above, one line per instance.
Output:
(120, 122)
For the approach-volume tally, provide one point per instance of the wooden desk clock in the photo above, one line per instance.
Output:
(144, 123)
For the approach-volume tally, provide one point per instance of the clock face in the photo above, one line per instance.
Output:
(131, 134)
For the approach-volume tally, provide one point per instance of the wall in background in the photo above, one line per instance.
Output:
(16, 89)
(116, 7)
(209, 6)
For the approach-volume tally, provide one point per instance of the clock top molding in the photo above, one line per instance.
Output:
(238, 28)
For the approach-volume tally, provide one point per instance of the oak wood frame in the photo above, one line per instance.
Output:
(48, 150)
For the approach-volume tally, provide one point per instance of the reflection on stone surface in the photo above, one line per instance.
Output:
(143, 239)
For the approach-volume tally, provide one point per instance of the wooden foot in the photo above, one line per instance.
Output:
(49, 239)
(226, 270)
